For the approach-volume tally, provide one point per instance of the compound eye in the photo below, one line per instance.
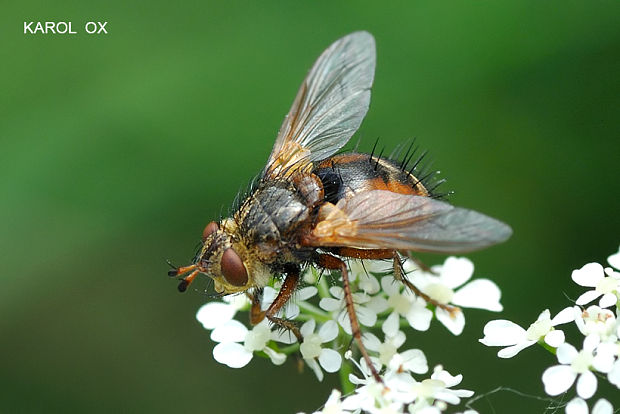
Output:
(209, 229)
(233, 269)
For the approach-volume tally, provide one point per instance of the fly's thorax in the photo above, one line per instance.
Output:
(227, 260)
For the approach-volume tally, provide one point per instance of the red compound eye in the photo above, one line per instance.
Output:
(209, 229)
(233, 269)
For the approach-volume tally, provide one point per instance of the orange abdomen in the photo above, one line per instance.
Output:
(352, 173)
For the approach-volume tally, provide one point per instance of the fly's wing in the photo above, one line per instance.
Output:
(329, 107)
(381, 219)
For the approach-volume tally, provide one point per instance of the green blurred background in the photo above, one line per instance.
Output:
(116, 150)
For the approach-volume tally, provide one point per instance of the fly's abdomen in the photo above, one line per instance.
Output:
(347, 174)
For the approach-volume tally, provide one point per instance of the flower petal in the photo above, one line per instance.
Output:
(330, 360)
(306, 293)
(479, 294)
(269, 295)
(614, 260)
(586, 385)
(330, 304)
(232, 354)
(345, 322)
(605, 357)
(419, 317)
(455, 322)
(602, 406)
(371, 341)
(447, 378)
(554, 338)
(614, 375)
(415, 361)
(502, 332)
(328, 331)
(214, 314)
(566, 353)
(566, 315)
(391, 325)
(558, 379)
(514, 350)
(284, 336)
(455, 271)
(231, 331)
(307, 328)
(377, 304)
(577, 406)
(366, 316)
(588, 275)
(587, 297)
(390, 285)
(276, 357)
(591, 342)
(315, 367)
(608, 300)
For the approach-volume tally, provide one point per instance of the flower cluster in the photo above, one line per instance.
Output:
(384, 308)
(599, 352)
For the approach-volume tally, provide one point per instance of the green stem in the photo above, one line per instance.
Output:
(345, 384)
(314, 311)
(547, 346)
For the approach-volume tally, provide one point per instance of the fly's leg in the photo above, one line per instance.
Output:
(399, 274)
(327, 261)
(284, 295)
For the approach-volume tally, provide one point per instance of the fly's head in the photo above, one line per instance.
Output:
(223, 257)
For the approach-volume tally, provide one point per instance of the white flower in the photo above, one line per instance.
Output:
(291, 309)
(614, 374)
(406, 304)
(614, 260)
(502, 332)
(386, 349)
(579, 406)
(231, 352)
(311, 350)
(596, 320)
(360, 271)
(438, 387)
(593, 275)
(559, 378)
(373, 398)
(366, 315)
(333, 404)
(412, 360)
(213, 314)
(479, 293)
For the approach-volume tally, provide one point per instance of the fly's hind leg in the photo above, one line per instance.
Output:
(399, 274)
(284, 295)
(330, 262)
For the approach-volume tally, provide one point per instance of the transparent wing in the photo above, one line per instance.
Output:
(381, 219)
(330, 105)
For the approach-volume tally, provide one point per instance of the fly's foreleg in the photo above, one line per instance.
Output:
(284, 295)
